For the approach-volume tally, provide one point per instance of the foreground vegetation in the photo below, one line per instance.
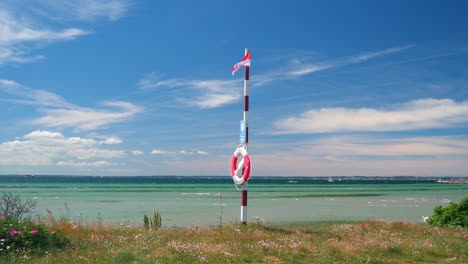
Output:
(367, 242)
(454, 214)
(22, 240)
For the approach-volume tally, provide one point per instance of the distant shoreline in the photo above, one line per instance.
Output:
(452, 182)
(210, 180)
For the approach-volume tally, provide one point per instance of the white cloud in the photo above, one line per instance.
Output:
(87, 10)
(25, 25)
(87, 118)
(16, 31)
(153, 80)
(159, 152)
(59, 113)
(201, 93)
(90, 153)
(16, 56)
(307, 68)
(16, 35)
(413, 115)
(374, 54)
(137, 152)
(180, 152)
(43, 147)
(112, 140)
(295, 68)
(348, 146)
(112, 9)
(363, 155)
(86, 164)
(30, 96)
(310, 68)
(366, 155)
(216, 93)
(44, 134)
(213, 100)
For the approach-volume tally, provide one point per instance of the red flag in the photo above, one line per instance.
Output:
(244, 62)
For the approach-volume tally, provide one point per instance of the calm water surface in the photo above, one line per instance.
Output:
(187, 203)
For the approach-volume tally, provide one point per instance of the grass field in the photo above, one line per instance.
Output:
(365, 242)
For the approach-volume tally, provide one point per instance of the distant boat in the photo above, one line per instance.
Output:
(30, 175)
(442, 181)
(330, 179)
(291, 181)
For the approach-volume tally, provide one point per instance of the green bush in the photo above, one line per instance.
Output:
(16, 236)
(455, 214)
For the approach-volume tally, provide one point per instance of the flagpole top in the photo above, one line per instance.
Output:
(246, 51)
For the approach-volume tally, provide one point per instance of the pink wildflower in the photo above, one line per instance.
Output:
(19, 232)
(34, 232)
(24, 227)
(13, 232)
(3, 217)
(53, 232)
(37, 223)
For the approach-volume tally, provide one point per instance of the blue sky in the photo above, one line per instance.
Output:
(126, 87)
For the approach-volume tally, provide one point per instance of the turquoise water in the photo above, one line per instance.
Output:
(183, 204)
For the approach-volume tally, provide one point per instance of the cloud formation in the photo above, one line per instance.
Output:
(57, 112)
(43, 147)
(86, 10)
(200, 93)
(413, 115)
(298, 67)
(97, 164)
(216, 93)
(25, 95)
(159, 152)
(307, 68)
(26, 25)
(180, 152)
(16, 34)
(17, 31)
(88, 118)
(365, 155)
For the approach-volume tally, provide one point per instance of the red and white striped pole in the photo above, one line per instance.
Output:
(246, 120)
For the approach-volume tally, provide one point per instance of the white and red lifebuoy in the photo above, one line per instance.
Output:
(240, 172)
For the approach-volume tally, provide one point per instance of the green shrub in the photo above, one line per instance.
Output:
(16, 236)
(455, 214)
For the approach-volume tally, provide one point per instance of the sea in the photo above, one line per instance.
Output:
(205, 201)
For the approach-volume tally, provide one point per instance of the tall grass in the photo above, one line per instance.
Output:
(366, 242)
